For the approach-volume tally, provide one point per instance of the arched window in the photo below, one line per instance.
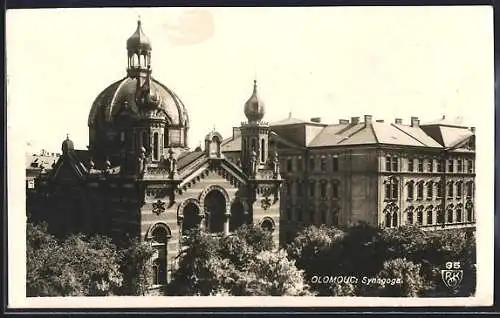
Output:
(387, 163)
(160, 235)
(387, 219)
(410, 191)
(166, 141)
(262, 150)
(459, 189)
(135, 60)
(469, 188)
(420, 190)
(395, 219)
(440, 216)
(420, 217)
(244, 147)
(323, 216)
(459, 215)
(322, 189)
(156, 149)
(469, 214)
(335, 217)
(395, 189)
(429, 190)
(190, 220)
(156, 270)
(267, 224)
(391, 188)
(450, 216)
(450, 189)
(145, 142)
(439, 187)
(430, 216)
(410, 217)
(335, 190)
(185, 135)
(312, 187)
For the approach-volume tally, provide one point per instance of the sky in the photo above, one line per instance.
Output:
(329, 62)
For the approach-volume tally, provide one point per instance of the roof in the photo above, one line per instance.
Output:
(138, 40)
(446, 121)
(374, 133)
(112, 99)
(231, 144)
(453, 135)
(187, 157)
(293, 121)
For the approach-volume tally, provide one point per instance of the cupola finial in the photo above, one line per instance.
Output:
(254, 107)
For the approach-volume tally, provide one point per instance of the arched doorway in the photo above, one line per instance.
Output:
(237, 216)
(215, 206)
(190, 218)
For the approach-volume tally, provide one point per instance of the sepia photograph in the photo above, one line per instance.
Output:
(185, 156)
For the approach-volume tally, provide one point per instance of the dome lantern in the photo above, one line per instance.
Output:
(254, 107)
(138, 51)
(67, 145)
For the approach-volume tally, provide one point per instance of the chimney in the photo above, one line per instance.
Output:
(379, 120)
(343, 121)
(473, 130)
(236, 132)
(354, 120)
(316, 119)
(415, 122)
(368, 119)
(398, 121)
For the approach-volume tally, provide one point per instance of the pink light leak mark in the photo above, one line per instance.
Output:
(192, 27)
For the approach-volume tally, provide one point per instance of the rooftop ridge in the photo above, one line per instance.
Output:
(411, 136)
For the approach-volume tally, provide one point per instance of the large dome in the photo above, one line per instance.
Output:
(123, 92)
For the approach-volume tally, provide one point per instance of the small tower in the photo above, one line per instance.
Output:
(139, 54)
(67, 146)
(148, 132)
(254, 135)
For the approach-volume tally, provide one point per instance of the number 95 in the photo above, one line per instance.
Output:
(452, 265)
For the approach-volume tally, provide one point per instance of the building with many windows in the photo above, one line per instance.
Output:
(382, 173)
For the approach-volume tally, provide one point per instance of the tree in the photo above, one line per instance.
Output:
(273, 274)
(244, 263)
(317, 252)
(137, 268)
(77, 266)
(401, 278)
(362, 250)
(40, 263)
(93, 261)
